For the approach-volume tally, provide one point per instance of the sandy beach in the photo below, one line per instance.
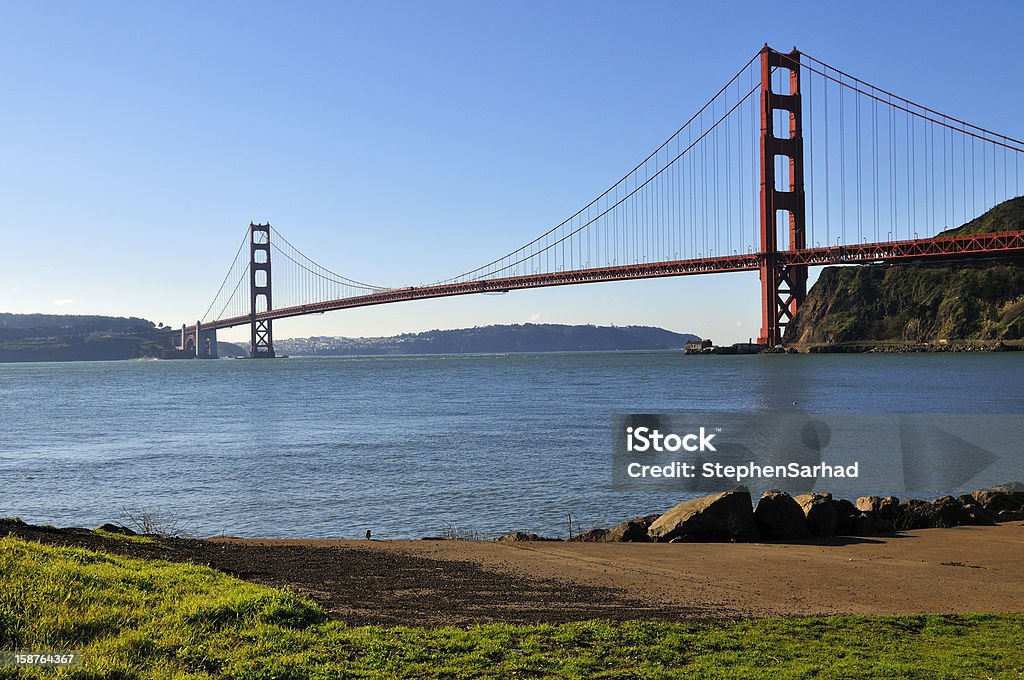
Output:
(956, 570)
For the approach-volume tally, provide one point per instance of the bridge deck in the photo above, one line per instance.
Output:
(931, 249)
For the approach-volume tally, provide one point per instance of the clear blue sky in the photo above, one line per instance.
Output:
(401, 142)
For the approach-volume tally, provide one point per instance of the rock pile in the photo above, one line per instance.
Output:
(731, 516)
(523, 536)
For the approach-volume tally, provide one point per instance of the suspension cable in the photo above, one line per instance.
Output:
(643, 163)
(226, 276)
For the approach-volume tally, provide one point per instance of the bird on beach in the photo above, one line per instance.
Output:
(367, 534)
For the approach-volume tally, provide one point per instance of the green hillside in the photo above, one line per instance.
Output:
(53, 337)
(977, 302)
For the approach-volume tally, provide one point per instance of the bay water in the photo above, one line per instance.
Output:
(410, 446)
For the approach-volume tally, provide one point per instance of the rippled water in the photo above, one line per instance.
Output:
(330, 447)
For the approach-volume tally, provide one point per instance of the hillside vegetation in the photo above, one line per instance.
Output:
(1007, 216)
(916, 303)
(57, 337)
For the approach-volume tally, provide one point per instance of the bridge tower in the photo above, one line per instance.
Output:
(261, 344)
(783, 288)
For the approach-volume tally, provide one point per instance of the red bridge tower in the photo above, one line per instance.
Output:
(261, 344)
(783, 288)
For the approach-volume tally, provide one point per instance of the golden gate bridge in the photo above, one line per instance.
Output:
(793, 163)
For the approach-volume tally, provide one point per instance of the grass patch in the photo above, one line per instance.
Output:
(152, 619)
(123, 537)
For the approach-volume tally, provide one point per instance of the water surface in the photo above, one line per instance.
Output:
(330, 447)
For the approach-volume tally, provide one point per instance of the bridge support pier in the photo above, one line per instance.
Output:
(199, 343)
(206, 346)
(783, 288)
(261, 342)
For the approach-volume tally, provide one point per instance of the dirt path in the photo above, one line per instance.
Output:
(964, 569)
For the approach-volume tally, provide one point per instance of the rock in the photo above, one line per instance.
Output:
(916, 514)
(950, 512)
(592, 536)
(116, 529)
(779, 517)
(820, 514)
(523, 536)
(1005, 506)
(876, 504)
(723, 516)
(978, 513)
(889, 507)
(632, 531)
(869, 504)
(867, 523)
(846, 517)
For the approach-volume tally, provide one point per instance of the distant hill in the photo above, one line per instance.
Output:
(972, 302)
(13, 324)
(54, 337)
(1007, 216)
(230, 349)
(494, 339)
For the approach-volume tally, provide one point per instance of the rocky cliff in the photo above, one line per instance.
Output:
(910, 304)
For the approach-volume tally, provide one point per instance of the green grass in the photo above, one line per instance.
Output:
(139, 618)
(113, 535)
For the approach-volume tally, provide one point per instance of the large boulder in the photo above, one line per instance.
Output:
(916, 514)
(846, 517)
(631, 531)
(886, 507)
(821, 516)
(889, 507)
(1004, 503)
(950, 512)
(867, 523)
(979, 515)
(869, 504)
(591, 536)
(779, 517)
(724, 516)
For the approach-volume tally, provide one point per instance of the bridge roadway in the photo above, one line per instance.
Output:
(973, 246)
